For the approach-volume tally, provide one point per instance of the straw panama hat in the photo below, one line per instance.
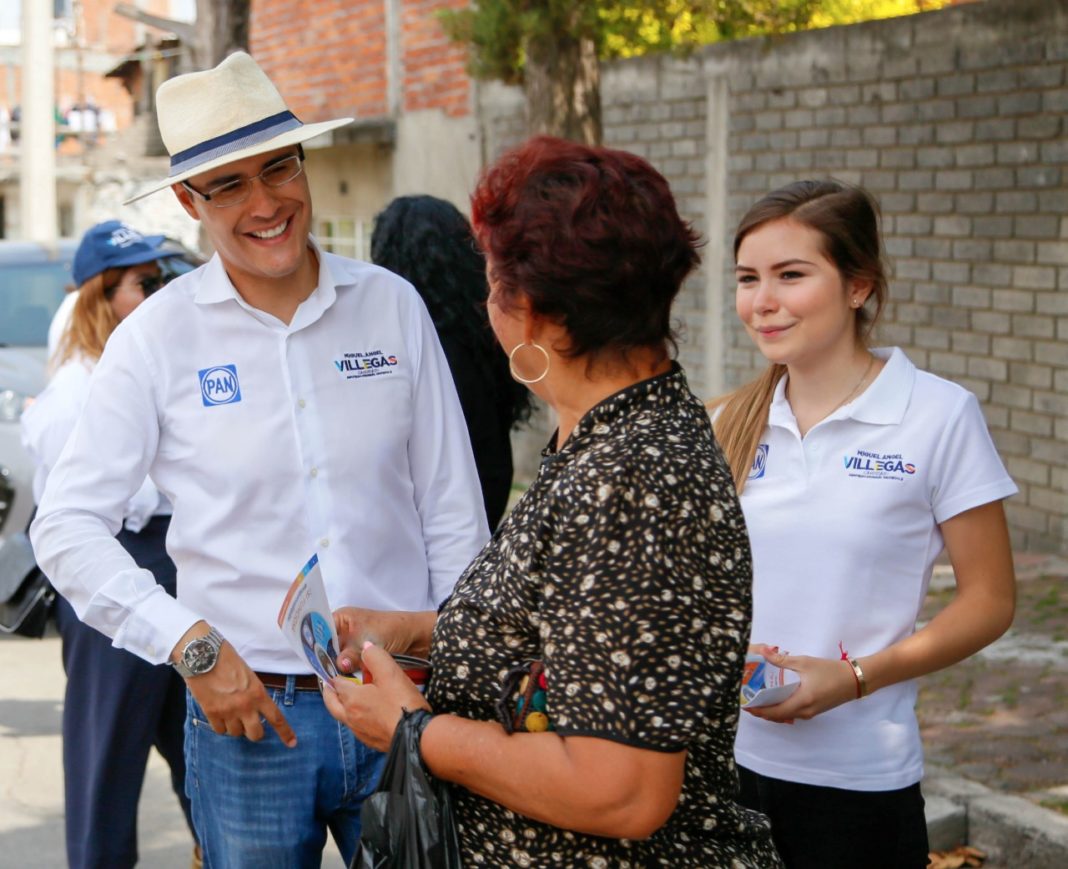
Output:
(222, 115)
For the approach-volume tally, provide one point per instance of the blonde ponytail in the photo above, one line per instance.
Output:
(91, 321)
(742, 418)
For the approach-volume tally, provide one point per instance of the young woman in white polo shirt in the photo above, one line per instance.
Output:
(855, 470)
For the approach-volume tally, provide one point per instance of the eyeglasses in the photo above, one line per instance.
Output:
(151, 283)
(148, 284)
(277, 174)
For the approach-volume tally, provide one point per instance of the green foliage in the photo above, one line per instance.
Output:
(493, 32)
(851, 11)
(497, 30)
(633, 28)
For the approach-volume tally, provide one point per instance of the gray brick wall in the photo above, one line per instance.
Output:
(956, 120)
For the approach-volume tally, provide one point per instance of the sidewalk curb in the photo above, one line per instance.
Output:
(1011, 830)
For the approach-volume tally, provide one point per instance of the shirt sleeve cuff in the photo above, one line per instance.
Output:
(155, 627)
(995, 491)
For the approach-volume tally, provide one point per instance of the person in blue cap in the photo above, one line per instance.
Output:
(102, 241)
(117, 706)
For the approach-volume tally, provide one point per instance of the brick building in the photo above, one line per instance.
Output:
(89, 41)
(390, 66)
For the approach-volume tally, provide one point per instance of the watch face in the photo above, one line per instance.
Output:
(199, 656)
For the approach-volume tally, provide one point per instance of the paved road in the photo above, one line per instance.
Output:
(31, 773)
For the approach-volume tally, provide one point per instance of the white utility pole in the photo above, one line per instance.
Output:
(37, 128)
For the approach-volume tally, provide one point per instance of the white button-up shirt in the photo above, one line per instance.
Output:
(48, 422)
(339, 433)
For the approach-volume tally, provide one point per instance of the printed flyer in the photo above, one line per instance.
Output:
(308, 623)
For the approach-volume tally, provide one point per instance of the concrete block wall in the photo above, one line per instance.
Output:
(656, 107)
(956, 121)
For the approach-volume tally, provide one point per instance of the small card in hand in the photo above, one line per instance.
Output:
(764, 684)
(416, 669)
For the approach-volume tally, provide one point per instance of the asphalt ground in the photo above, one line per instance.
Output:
(1000, 719)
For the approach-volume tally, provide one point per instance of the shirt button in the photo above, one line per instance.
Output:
(324, 542)
(314, 472)
(301, 403)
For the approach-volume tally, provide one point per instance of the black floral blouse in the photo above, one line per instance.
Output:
(626, 569)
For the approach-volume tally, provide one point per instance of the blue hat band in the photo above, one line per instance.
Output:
(235, 140)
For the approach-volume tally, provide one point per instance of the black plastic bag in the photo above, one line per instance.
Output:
(408, 823)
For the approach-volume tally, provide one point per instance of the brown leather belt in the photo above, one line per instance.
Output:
(306, 682)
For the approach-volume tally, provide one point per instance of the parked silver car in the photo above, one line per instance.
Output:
(33, 282)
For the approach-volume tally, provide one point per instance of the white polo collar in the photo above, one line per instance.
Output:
(884, 402)
(216, 286)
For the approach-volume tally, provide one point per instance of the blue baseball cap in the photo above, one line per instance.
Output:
(114, 245)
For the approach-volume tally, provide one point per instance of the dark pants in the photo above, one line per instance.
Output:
(828, 828)
(116, 708)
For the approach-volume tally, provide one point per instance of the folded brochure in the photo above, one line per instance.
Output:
(307, 622)
(764, 684)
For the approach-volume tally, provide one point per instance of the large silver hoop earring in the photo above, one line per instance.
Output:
(540, 349)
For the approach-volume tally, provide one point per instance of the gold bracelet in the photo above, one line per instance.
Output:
(858, 674)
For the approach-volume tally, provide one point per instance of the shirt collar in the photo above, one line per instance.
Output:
(216, 286)
(604, 417)
(780, 413)
(884, 402)
(215, 283)
(887, 399)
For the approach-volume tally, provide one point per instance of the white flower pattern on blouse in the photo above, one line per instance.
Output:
(626, 569)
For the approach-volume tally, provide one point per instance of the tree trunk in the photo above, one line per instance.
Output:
(222, 28)
(562, 80)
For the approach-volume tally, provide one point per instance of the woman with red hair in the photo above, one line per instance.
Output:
(586, 668)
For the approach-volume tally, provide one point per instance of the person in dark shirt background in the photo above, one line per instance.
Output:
(428, 241)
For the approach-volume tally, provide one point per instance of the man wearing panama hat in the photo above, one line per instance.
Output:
(288, 402)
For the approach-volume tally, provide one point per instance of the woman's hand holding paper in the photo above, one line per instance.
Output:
(405, 633)
(373, 710)
(825, 684)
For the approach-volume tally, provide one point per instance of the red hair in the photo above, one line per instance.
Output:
(592, 238)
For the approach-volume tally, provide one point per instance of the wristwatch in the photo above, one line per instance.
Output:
(199, 655)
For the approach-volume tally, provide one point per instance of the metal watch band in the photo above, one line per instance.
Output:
(213, 638)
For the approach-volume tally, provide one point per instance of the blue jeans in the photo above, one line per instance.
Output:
(260, 805)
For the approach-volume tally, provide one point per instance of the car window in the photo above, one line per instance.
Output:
(29, 296)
